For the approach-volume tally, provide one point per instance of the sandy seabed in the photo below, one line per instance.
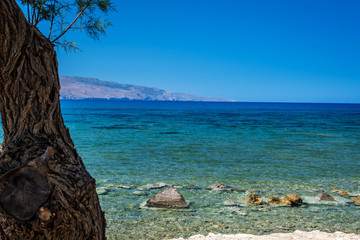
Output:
(299, 235)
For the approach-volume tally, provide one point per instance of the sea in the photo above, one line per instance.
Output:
(271, 149)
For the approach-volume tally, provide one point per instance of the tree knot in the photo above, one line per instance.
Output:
(46, 216)
(49, 153)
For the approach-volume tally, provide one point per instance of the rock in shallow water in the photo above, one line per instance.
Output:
(217, 186)
(168, 198)
(230, 203)
(101, 191)
(140, 193)
(356, 201)
(279, 201)
(341, 193)
(254, 199)
(152, 186)
(294, 199)
(325, 197)
(223, 187)
(192, 187)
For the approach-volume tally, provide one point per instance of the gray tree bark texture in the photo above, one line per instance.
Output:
(45, 190)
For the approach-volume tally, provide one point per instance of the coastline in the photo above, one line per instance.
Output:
(271, 150)
(301, 235)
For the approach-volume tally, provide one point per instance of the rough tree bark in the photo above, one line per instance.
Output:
(45, 190)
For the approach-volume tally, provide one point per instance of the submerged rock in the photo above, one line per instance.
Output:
(123, 186)
(279, 201)
(294, 199)
(101, 191)
(192, 187)
(341, 193)
(230, 203)
(109, 185)
(140, 193)
(325, 197)
(152, 186)
(232, 189)
(356, 201)
(223, 187)
(169, 198)
(217, 186)
(243, 213)
(253, 191)
(254, 199)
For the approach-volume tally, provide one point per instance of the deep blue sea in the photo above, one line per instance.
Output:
(272, 148)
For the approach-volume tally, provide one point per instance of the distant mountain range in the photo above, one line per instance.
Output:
(91, 88)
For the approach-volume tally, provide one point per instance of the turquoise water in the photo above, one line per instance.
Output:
(276, 149)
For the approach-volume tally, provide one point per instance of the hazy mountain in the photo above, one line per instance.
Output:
(83, 88)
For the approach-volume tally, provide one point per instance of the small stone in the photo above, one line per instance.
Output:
(315, 210)
(123, 187)
(253, 199)
(189, 214)
(315, 190)
(253, 191)
(263, 209)
(140, 193)
(152, 186)
(325, 197)
(230, 203)
(231, 189)
(216, 186)
(101, 191)
(356, 201)
(294, 199)
(279, 201)
(109, 185)
(169, 198)
(215, 224)
(223, 187)
(192, 187)
(243, 213)
(341, 193)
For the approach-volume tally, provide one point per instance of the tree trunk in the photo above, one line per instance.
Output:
(45, 190)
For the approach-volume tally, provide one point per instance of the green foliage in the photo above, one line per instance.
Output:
(68, 46)
(62, 16)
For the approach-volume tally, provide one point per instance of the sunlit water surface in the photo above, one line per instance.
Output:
(276, 149)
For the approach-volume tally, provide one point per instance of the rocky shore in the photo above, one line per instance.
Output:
(220, 208)
(252, 197)
(300, 235)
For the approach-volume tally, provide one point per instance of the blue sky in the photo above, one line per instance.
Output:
(254, 50)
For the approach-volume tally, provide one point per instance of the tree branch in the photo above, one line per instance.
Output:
(33, 15)
(38, 16)
(69, 27)
(28, 11)
(52, 19)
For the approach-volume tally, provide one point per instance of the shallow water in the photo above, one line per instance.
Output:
(277, 149)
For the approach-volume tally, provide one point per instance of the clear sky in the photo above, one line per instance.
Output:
(253, 50)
